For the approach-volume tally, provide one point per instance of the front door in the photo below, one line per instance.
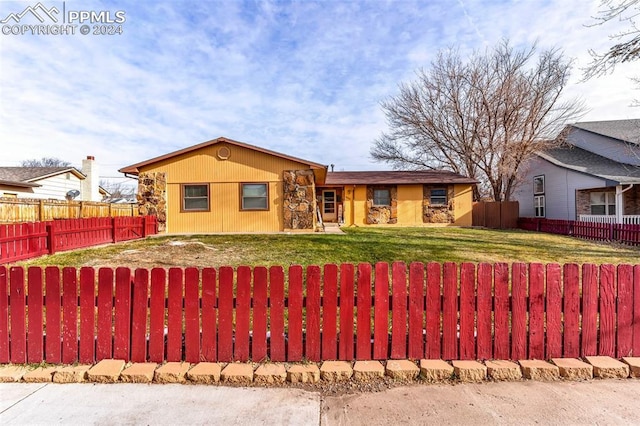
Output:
(329, 211)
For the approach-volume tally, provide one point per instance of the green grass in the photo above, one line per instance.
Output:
(358, 245)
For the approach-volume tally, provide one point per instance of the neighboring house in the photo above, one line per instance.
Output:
(227, 186)
(58, 183)
(594, 177)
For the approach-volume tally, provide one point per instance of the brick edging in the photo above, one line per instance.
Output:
(425, 370)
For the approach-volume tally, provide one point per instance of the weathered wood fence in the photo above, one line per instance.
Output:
(14, 210)
(495, 214)
(28, 240)
(344, 312)
(615, 232)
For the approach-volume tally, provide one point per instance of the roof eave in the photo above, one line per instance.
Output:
(135, 168)
(19, 184)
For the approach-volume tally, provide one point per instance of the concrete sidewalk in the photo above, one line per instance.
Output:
(140, 404)
(522, 403)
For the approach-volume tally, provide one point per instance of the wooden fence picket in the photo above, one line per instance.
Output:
(346, 337)
(243, 314)
(363, 315)
(87, 315)
(435, 311)
(398, 310)
(35, 336)
(295, 313)
(175, 314)
(276, 314)
(330, 312)
(192, 315)
(381, 312)
(312, 336)
(209, 315)
(260, 305)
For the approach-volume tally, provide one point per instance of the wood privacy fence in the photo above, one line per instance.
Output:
(13, 210)
(616, 232)
(496, 214)
(344, 312)
(28, 240)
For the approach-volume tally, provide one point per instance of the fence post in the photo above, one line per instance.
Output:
(113, 230)
(611, 232)
(144, 226)
(51, 238)
(41, 214)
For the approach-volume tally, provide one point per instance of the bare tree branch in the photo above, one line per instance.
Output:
(627, 42)
(483, 118)
(45, 162)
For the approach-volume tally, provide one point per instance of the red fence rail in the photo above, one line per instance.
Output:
(343, 312)
(622, 233)
(28, 240)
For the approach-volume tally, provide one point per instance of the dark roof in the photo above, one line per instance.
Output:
(15, 175)
(134, 168)
(623, 130)
(395, 177)
(580, 160)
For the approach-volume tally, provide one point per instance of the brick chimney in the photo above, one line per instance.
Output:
(91, 183)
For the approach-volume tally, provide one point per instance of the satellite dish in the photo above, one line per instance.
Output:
(72, 194)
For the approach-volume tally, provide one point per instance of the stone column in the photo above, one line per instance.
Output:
(152, 196)
(299, 206)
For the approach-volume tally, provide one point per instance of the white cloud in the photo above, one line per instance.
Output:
(303, 78)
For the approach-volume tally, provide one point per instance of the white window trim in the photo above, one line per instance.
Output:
(541, 177)
(542, 206)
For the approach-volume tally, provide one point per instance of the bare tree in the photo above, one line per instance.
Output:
(626, 46)
(483, 117)
(118, 189)
(45, 162)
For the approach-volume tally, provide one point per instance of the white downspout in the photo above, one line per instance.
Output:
(620, 201)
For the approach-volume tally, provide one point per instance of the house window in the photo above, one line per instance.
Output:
(255, 196)
(538, 205)
(538, 185)
(195, 197)
(603, 203)
(438, 197)
(381, 197)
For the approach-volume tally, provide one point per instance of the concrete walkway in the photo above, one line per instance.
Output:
(332, 228)
(522, 403)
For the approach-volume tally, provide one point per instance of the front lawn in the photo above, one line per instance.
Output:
(358, 245)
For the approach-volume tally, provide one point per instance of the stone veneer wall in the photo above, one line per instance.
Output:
(437, 214)
(152, 196)
(299, 199)
(382, 214)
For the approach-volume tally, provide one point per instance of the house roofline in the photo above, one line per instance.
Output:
(19, 184)
(134, 168)
(73, 170)
(555, 162)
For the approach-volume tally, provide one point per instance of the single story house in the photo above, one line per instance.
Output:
(593, 176)
(57, 183)
(224, 185)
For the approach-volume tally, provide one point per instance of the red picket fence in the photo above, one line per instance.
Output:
(344, 312)
(626, 234)
(27, 240)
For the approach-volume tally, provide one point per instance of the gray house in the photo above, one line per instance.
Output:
(594, 177)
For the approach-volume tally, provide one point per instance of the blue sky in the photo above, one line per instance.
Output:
(304, 78)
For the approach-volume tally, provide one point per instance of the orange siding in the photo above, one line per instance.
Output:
(409, 206)
(224, 178)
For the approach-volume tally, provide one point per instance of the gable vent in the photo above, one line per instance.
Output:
(224, 152)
